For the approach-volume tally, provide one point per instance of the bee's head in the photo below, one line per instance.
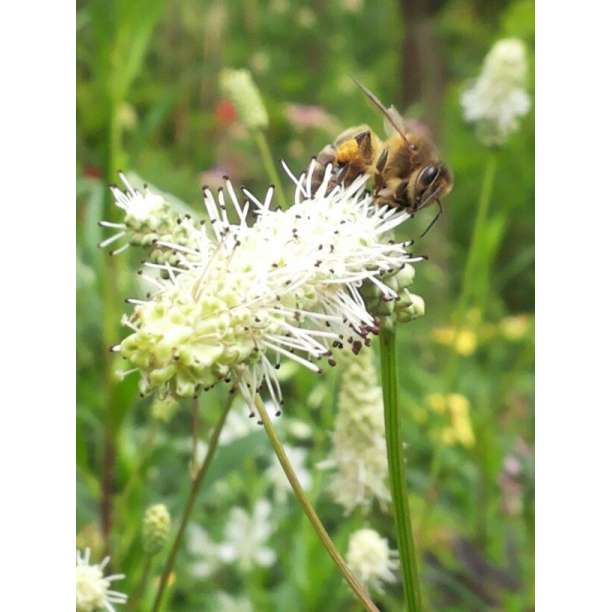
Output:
(428, 184)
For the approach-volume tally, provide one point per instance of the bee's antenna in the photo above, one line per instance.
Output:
(434, 219)
(380, 106)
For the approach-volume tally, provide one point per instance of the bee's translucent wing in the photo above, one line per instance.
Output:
(397, 120)
(393, 119)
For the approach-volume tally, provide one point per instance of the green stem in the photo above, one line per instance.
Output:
(142, 583)
(431, 494)
(109, 332)
(268, 163)
(136, 474)
(469, 271)
(484, 203)
(195, 488)
(310, 512)
(401, 510)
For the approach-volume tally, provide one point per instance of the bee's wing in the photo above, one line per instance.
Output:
(393, 119)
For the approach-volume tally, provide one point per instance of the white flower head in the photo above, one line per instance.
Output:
(246, 537)
(277, 478)
(371, 559)
(148, 218)
(204, 551)
(285, 286)
(228, 603)
(93, 592)
(498, 97)
(359, 454)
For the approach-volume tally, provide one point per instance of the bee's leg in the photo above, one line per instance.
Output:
(381, 162)
(351, 133)
(384, 196)
(401, 193)
(364, 141)
(327, 155)
(397, 197)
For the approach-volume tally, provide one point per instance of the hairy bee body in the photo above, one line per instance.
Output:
(405, 168)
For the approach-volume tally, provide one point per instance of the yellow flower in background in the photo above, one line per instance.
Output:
(437, 402)
(463, 341)
(456, 426)
(515, 327)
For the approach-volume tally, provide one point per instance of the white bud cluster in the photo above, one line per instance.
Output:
(498, 97)
(150, 222)
(371, 559)
(155, 528)
(359, 453)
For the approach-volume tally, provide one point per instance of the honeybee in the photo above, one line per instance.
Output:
(405, 168)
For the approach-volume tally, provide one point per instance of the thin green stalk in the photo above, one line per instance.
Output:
(397, 478)
(484, 203)
(109, 331)
(142, 583)
(268, 163)
(195, 436)
(469, 271)
(310, 512)
(193, 494)
(136, 474)
(435, 470)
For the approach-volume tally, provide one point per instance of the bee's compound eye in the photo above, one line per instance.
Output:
(428, 175)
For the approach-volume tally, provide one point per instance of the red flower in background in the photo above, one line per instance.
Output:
(225, 112)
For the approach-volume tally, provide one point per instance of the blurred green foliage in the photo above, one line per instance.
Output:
(148, 100)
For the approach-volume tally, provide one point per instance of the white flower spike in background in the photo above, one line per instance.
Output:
(248, 295)
(370, 557)
(359, 455)
(498, 97)
(93, 591)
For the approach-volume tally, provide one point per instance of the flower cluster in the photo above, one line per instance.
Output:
(359, 453)
(93, 591)
(498, 97)
(371, 559)
(248, 294)
(150, 222)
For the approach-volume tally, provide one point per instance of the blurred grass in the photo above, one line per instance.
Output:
(148, 100)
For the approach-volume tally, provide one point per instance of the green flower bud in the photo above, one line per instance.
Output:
(155, 528)
(405, 277)
(164, 408)
(409, 307)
